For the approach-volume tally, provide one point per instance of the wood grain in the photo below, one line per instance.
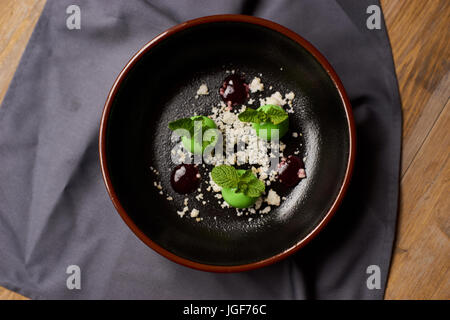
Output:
(17, 21)
(420, 268)
(9, 295)
(419, 35)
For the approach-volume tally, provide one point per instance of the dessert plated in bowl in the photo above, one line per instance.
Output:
(250, 81)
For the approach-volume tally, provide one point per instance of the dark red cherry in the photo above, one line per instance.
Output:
(234, 90)
(185, 178)
(291, 171)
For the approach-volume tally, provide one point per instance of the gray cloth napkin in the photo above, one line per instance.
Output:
(54, 209)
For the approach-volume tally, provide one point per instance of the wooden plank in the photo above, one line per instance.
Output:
(420, 268)
(17, 21)
(9, 295)
(419, 33)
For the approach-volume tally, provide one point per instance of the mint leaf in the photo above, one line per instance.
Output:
(192, 125)
(185, 123)
(252, 115)
(225, 176)
(276, 115)
(247, 176)
(255, 188)
(242, 187)
(250, 185)
(200, 118)
(272, 114)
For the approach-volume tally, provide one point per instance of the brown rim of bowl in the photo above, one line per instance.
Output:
(166, 34)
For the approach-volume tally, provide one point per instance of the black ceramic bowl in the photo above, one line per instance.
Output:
(158, 85)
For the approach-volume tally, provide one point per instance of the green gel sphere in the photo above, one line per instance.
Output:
(193, 146)
(237, 200)
(283, 127)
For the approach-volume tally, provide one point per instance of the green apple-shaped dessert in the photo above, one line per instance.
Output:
(240, 188)
(266, 119)
(192, 133)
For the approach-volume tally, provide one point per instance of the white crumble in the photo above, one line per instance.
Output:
(256, 85)
(182, 213)
(199, 197)
(157, 185)
(225, 205)
(290, 96)
(276, 99)
(258, 203)
(273, 198)
(203, 90)
(266, 210)
(194, 213)
(229, 118)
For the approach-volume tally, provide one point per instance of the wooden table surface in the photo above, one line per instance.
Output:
(420, 37)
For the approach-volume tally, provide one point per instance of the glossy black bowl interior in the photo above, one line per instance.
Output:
(161, 87)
